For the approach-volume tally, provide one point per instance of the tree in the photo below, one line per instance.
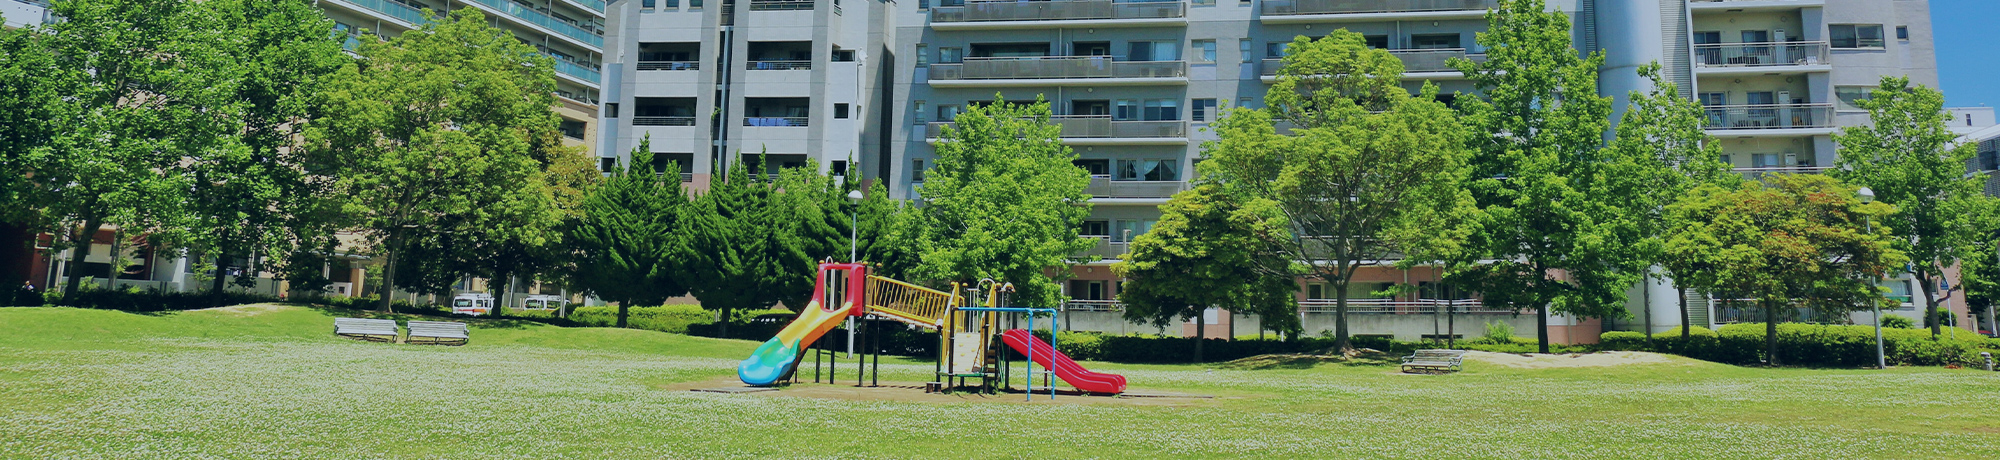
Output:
(259, 201)
(1554, 238)
(889, 232)
(1207, 250)
(1906, 154)
(631, 243)
(444, 132)
(1361, 189)
(31, 108)
(1663, 153)
(1321, 78)
(1004, 202)
(144, 85)
(751, 253)
(1803, 238)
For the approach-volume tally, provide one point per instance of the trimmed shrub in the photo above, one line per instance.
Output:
(665, 318)
(1801, 344)
(1499, 333)
(1892, 320)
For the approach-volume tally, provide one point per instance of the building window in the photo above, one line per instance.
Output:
(843, 55)
(1125, 109)
(1850, 96)
(610, 110)
(572, 129)
(1129, 229)
(923, 55)
(1149, 170)
(840, 168)
(1435, 41)
(1095, 228)
(1902, 32)
(1201, 109)
(673, 4)
(1149, 51)
(951, 55)
(1163, 110)
(1275, 50)
(840, 110)
(694, 4)
(646, 4)
(947, 113)
(607, 164)
(1247, 102)
(917, 171)
(919, 112)
(1243, 49)
(1850, 36)
(1205, 50)
(1204, 2)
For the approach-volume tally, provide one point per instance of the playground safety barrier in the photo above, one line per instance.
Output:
(907, 302)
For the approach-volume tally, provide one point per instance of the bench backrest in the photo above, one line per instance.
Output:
(364, 326)
(1439, 353)
(437, 329)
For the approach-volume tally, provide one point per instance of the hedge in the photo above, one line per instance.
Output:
(1811, 345)
(665, 318)
(1136, 348)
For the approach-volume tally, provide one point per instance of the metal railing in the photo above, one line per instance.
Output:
(779, 65)
(907, 302)
(1293, 7)
(1056, 67)
(1104, 187)
(1430, 60)
(776, 121)
(1773, 116)
(1093, 305)
(669, 65)
(393, 9)
(1095, 127)
(544, 20)
(663, 121)
(578, 71)
(596, 5)
(1760, 54)
(780, 5)
(1105, 248)
(1391, 306)
(1058, 10)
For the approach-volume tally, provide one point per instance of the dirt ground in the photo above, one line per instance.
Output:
(1540, 361)
(914, 392)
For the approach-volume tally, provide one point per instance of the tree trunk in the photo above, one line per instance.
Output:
(1232, 325)
(83, 242)
(1771, 333)
(1542, 326)
(1929, 286)
(1646, 280)
(1686, 329)
(623, 305)
(215, 286)
(1340, 340)
(722, 324)
(1200, 333)
(388, 282)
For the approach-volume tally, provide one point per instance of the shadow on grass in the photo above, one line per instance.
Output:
(1359, 358)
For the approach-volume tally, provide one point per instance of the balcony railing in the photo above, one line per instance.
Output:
(595, 5)
(780, 5)
(1093, 305)
(1760, 54)
(669, 65)
(393, 9)
(998, 68)
(542, 19)
(1105, 248)
(1293, 7)
(1775, 116)
(1430, 60)
(579, 71)
(1389, 306)
(1096, 126)
(780, 65)
(1760, 171)
(1104, 187)
(663, 121)
(1056, 11)
(775, 121)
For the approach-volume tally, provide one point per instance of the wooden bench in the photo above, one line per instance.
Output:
(378, 330)
(438, 332)
(1433, 361)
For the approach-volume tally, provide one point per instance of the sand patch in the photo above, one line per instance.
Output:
(253, 309)
(1541, 361)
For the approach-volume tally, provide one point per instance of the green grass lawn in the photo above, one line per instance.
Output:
(276, 383)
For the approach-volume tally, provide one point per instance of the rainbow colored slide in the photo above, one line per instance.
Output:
(773, 360)
(1067, 369)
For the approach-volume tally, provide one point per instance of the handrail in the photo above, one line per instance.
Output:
(917, 305)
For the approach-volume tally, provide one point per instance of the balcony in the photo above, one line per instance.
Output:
(1057, 70)
(1093, 305)
(779, 65)
(663, 121)
(668, 65)
(1758, 172)
(777, 121)
(1105, 248)
(1065, 13)
(579, 71)
(411, 17)
(543, 20)
(1104, 187)
(780, 5)
(1102, 130)
(1760, 58)
(1753, 5)
(596, 6)
(1426, 64)
(1774, 120)
(1397, 306)
(1302, 11)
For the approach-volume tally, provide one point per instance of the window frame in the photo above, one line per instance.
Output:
(1858, 40)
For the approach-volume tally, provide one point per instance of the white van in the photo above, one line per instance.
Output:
(472, 303)
(544, 302)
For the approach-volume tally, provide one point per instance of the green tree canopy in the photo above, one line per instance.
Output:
(631, 244)
(1321, 78)
(1004, 202)
(1803, 240)
(1909, 157)
(1209, 250)
(1554, 235)
(445, 133)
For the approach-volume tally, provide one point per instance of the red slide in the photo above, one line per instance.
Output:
(1068, 370)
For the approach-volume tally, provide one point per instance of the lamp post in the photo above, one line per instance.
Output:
(853, 253)
(1868, 227)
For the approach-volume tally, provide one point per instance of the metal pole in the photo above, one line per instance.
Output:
(1881, 358)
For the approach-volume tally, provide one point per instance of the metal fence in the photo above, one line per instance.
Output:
(1760, 54)
(779, 65)
(1095, 126)
(1431, 60)
(669, 65)
(1291, 7)
(1771, 116)
(1104, 187)
(1057, 10)
(1056, 67)
(663, 121)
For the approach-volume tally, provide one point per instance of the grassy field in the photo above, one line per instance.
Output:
(274, 382)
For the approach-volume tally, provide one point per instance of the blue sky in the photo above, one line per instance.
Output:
(1968, 51)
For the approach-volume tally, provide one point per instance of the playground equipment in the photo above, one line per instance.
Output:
(968, 335)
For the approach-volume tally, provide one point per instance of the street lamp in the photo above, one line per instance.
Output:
(1868, 227)
(853, 253)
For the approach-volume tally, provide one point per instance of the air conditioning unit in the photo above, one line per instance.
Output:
(1792, 159)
